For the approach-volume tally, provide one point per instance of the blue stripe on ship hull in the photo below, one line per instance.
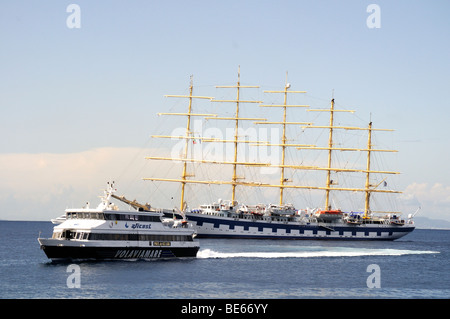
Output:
(288, 229)
(236, 236)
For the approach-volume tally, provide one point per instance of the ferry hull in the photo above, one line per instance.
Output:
(76, 251)
(223, 227)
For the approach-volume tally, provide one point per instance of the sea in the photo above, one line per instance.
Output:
(416, 266)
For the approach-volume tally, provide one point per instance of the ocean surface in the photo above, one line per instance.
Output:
(415, 266)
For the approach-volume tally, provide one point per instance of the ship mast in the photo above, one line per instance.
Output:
(331, 147)
(188, 136)
(236, 180)
(369, 149)
(236, 141)
(284, 143)
(188, 130)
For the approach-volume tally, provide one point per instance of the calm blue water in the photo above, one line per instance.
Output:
(417, 266)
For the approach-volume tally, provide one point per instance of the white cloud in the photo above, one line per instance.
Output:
(434, 199)
(41, 186)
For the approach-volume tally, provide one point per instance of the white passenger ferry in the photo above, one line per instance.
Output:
(106, 232)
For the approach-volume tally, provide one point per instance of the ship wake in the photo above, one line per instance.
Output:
(320, 252)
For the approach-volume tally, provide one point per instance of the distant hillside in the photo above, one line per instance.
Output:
(424, 222)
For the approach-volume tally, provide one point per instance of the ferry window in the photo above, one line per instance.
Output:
(133, 237)
(111, 216)
(68, 234)
(146, 218)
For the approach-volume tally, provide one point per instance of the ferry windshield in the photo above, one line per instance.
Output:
(113, 216)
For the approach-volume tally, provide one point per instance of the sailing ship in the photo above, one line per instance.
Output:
(108, 233)
(234, 219)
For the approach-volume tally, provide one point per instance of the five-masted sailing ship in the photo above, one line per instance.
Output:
(234, 219)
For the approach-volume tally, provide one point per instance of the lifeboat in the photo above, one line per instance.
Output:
(329, 215)
(397, 222)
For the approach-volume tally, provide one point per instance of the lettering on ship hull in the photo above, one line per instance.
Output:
(138, 253)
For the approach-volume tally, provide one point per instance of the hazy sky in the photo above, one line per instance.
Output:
(78, 104)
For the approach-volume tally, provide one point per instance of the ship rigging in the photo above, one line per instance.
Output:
(253, 220)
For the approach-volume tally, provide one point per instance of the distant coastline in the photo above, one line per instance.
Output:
(429, 223)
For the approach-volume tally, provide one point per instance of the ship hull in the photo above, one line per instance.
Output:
(225, 227)
(65, 250)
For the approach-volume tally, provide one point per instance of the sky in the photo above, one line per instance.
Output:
(79, 102)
